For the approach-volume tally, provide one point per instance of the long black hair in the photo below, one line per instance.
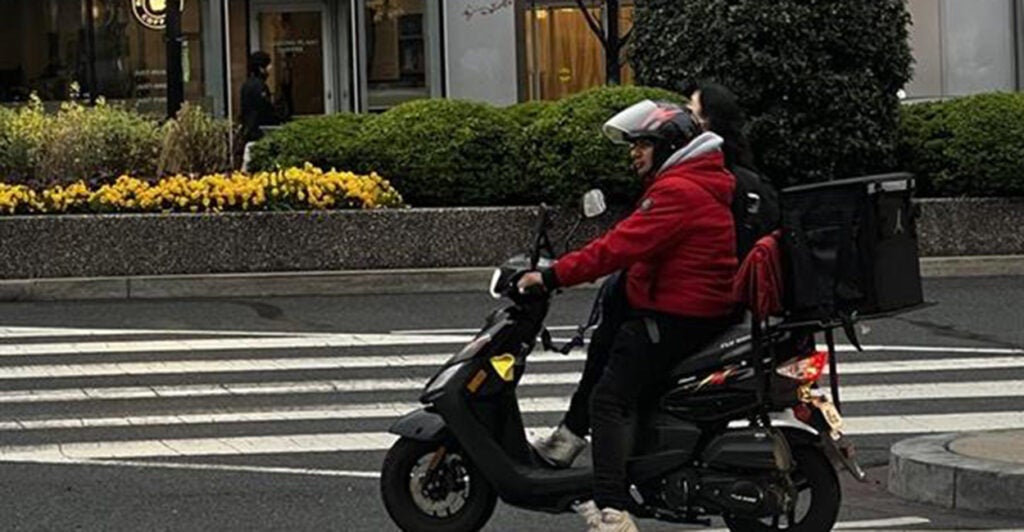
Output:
(725, 117)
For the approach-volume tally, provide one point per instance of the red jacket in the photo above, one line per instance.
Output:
(679, 244)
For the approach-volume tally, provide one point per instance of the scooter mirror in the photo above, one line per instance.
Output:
(593, 203)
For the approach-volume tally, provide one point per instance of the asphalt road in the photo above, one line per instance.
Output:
(272, 414)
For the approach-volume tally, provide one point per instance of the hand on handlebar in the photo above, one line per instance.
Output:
(531, 282)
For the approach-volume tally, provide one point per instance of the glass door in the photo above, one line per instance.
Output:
(297, 37)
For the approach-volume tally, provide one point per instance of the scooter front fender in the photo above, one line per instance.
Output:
(421, 425)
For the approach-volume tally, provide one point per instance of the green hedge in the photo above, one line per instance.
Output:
(967, 146)
(445, 152)
(527, 113)
(450, 152)
(330, 141)
(818, 78)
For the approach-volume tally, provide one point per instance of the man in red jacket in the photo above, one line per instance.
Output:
(679, 247)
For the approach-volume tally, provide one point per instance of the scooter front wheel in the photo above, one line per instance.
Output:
(428, 487)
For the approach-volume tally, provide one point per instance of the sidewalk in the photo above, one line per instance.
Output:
(357, 282)
(981, 472)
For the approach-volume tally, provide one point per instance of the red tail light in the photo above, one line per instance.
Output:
(803, 413)
(805, 370)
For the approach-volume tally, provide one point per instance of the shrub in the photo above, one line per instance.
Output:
(97, 143)
(967, 146)
(291, 189)
(565, 153)
(445, 152)
(527, 113)
(325, 141)
(22, 133)
(818, 78)
(195, 143)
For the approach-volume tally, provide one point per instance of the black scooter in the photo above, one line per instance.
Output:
(738, 430)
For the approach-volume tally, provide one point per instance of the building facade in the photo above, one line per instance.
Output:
(368, 55)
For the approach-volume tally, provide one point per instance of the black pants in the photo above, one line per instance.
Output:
(644, 349)
(613, 312)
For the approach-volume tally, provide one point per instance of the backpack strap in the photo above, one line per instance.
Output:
(579, 339)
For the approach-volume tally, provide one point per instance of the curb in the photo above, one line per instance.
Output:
(358, 282)
(927, 470)
(361, 282)
(974, 266)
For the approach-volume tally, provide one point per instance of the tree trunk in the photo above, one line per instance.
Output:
(612, 44)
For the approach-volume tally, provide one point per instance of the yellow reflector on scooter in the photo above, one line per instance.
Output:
(504, 366)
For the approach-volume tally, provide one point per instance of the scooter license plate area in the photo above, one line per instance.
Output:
(831, 414)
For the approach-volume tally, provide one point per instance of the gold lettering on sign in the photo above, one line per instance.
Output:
(152, 13)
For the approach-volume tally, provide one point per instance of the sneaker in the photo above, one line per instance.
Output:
(560, 448)
(613, 520)
(590, 513)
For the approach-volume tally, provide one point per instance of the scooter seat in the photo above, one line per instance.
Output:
(734, 342)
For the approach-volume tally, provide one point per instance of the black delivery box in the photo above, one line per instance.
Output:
(850, 248)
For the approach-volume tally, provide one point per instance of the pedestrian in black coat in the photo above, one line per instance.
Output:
(257, 106)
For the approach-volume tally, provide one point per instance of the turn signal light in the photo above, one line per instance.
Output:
(805, 370)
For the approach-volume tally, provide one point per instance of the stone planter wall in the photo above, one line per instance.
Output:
(971, 226)
(133, 245)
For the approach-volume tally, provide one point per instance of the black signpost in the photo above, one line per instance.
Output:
(175, 75)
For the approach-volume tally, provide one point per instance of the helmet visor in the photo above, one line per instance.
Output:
(627, 126)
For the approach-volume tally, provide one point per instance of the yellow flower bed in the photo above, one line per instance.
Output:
(292, 189)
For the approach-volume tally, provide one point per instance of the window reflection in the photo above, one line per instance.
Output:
(563, 54)
(295, 42)
(396, 55)
(45, 47)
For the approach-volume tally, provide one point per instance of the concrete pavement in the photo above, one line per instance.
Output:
(358, 282)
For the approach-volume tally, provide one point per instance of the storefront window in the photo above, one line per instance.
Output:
(563, 56)
(396, 52)
(42, 48)
(49, 46)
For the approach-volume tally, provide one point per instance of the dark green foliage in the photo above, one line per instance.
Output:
(968, 146)
(818, 78)
(527, 113)
(565, 153)
(445, 152)
(325, 141)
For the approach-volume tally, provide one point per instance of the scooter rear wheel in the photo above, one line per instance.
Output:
(819, 497)
(425, 489)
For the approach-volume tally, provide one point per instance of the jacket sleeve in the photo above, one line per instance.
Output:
(660, 220)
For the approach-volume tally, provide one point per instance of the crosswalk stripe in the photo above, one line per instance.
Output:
(850, 394)
(176, 367)
(264, 341)
(866, 524)
(380, 441)
(41, 371)
(220, 468)
(56, 332)
(234, 446)
(232, 344)
(931, 390)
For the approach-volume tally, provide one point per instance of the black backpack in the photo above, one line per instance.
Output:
(755, 209)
